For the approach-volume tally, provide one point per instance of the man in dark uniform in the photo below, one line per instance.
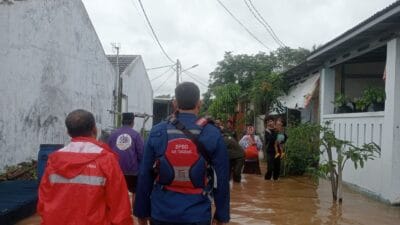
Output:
(175, 192)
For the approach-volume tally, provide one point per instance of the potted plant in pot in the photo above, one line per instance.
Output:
(360, 105)
(341, 104)
(375, 97)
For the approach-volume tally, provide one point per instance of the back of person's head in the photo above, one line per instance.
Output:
(187, 95)
(80, 123)
(128, 118)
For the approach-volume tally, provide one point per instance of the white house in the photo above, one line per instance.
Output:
(137, 93)
(51, 62)
(349, 64)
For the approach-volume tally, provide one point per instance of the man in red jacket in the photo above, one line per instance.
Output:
(83, 183)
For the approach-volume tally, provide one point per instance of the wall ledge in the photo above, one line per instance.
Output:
(353, 115)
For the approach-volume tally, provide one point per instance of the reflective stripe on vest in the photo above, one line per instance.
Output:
(80, 179)
(182, 173)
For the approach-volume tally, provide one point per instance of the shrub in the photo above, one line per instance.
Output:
(302, 148)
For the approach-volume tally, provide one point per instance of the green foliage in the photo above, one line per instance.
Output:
(256, 75)
(361, 105)
(340, 100)
(266, 89)
(374, 95)
(302, 148)
(345, 151)
(287, 58)
(225, 101)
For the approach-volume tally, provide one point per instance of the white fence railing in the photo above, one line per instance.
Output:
(359, 128)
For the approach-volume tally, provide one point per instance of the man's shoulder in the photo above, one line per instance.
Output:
(210, 127)
(157, 129)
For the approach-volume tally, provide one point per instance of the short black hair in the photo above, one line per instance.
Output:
(80, 123)
(282, 120)
(269, 118)
(128, 118)
(187, 95)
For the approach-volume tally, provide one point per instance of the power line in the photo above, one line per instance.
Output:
(262, 23)
(147, 28)
(276, 38)
(192, 75)
(158, 67)
(163, 82)
(155, 78)
(154, 33)
(241, 24)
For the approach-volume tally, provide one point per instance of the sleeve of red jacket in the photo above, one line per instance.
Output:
(44, 192)
(117, 198)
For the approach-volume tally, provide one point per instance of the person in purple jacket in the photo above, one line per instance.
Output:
(128, 144)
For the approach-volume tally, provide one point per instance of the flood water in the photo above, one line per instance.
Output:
(297, 200)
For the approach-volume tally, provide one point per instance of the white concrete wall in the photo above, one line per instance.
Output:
(381, 176)
(137, 86)
(362, 128)
(51, 62)
(391, 130)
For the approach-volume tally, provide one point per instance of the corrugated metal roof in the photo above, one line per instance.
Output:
(123, 61)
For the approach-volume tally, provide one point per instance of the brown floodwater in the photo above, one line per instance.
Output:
(297, 200)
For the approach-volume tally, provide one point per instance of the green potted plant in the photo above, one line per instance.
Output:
(360, 105)
(341, 104)
(375, 97)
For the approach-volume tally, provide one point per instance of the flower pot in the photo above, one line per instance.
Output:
(343, 109)
(378, 106)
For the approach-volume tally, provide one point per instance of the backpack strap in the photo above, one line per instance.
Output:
(200, 146)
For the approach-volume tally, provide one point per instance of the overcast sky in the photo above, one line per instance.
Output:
(200, 31)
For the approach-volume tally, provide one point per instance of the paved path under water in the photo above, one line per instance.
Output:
(296, 200)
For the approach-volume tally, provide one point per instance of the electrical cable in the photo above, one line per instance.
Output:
(262, 23)
(143, 19)
(241, 24)
(154, 33)
(192, 75)
(159, 67)
(266, 23)
(155, 78)
(163, 82)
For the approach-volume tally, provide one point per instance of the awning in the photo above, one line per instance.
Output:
(300, 95)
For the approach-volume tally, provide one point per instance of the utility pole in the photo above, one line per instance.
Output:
(178, 71)
(117, 84)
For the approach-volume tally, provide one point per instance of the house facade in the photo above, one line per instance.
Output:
(367, 57)
(137, 92)
(51, 62)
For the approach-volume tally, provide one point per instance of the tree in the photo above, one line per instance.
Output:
(345, 150)
(258, 77)
(226, 98)
(287, 58)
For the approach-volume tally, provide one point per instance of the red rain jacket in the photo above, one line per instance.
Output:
(83, 184)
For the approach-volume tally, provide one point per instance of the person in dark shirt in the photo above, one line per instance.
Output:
(236, 157)
(166, 197)
(270, 138)
(128, 144)
(271, 134)
(230, 131)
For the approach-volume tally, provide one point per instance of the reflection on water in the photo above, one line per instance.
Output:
(296, 200)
